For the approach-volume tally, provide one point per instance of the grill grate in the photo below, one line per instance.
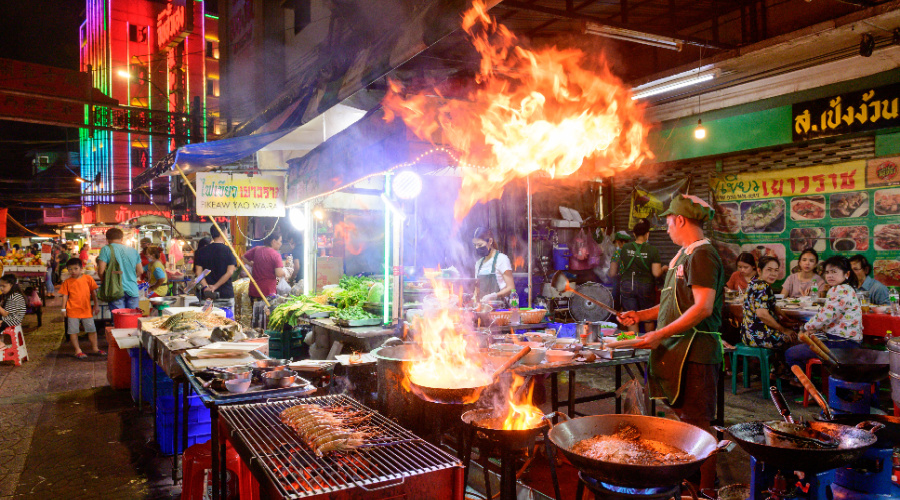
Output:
(390, 454)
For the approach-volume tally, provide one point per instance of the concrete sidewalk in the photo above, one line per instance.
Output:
(64, 433)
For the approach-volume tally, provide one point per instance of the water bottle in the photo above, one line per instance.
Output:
(814, 291)
(895, 307)
(514, 318)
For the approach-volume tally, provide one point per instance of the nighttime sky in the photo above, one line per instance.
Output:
(44, 32)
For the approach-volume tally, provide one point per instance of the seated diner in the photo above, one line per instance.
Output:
(879, 295)
(839, 322)
(800, 283)
(760, 326)
(746, 271)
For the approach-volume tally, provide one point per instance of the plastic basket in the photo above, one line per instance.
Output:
(126, 318)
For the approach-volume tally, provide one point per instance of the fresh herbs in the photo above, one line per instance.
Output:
(289, 312)
(353, 312)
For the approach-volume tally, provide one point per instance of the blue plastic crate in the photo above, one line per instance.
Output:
(196, 434)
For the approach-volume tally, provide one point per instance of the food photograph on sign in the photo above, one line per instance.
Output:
(762, 216)
(808, 237)
(887, 201)
(849, 205)
(887, 272)
(887, 237)
(807, 208)
(728, 217)
(767, 250)
(850, 238)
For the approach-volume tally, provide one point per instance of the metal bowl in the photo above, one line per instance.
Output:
(270, 364)
(237, 372)
(279, 379)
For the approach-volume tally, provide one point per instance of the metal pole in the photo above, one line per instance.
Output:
(530, 257)
(227, 241)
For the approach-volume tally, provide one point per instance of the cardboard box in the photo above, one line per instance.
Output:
(328, 271)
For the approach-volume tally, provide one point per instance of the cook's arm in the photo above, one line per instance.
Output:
(510, 284)
(613, 269)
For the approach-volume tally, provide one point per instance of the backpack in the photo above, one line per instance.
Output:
(111, 286)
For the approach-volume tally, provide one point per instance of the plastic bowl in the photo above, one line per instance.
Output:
(237, 372)
(535, 356)
(609, 332)
(555, 356)
(508, 349)
(543, 338)
(237, 384)
(563, 343)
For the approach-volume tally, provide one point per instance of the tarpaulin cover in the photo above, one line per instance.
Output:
(224, 151)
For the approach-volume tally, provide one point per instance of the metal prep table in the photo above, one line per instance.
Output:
(361, 338)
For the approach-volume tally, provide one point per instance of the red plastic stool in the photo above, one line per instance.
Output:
(809, 365)
(15, 351)
(197, 469)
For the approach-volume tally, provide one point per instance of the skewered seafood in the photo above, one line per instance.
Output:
(327, 429)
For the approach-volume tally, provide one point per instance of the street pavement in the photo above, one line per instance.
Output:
(64, 433)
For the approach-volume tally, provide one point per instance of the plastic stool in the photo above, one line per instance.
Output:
(197, 472)
(15, 351)
(764, 355)
(809, 365)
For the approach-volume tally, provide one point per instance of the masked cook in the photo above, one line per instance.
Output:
(493, 270)
(686, 356)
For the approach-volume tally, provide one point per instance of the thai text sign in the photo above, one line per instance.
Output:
(847, 113)
(791, 182)
(173, 23)
(239, 194)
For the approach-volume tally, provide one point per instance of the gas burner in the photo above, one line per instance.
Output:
(607, 490)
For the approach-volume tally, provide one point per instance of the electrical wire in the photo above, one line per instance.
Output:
(238, 226)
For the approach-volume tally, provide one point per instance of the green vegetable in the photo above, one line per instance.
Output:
(376, 293)
(352, 313)
(289, 312)
(626, 336)
(354, 291)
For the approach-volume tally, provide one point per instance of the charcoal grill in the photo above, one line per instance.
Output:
(392, 460)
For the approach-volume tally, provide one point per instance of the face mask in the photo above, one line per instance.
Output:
(482, 251)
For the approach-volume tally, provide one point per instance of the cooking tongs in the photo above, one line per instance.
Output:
(798, 434)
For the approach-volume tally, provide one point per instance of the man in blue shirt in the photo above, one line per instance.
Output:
(879, 295)
(129, 262)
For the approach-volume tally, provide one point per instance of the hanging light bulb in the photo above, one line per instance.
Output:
(700, 131)
(319, 212)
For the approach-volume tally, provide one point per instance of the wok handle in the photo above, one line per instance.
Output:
(722, 445)
(808, 340)
(781, 404)
(808, 385)
(720, 428)
(549, 417)
(511, 361)
(870, 426)
(824, 348)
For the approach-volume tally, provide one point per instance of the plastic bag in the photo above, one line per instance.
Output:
(34, 300)
(282, 288)
(634, 395)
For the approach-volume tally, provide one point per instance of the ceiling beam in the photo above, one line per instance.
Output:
(561, 14)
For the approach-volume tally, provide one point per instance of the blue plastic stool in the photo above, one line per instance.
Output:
(764, 355)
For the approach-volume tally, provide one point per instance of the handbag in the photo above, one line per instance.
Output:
(111, 287)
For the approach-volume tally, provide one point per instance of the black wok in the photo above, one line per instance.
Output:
(686, 437)
(852, 443)
(490, 425)
(463, 395)
(860, 365)
(888, 437)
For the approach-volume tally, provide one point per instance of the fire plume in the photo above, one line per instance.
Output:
(524, 415)
(448, 361)
(556, 111)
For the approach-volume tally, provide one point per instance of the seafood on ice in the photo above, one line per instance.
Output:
(327, 429)
(189, 321)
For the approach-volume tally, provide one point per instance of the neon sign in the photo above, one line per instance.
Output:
(173, 23)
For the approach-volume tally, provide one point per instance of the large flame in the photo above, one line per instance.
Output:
(533, 111)
(448, 362)
(524, 415)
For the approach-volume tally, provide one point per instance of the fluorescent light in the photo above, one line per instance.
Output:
(668, 84)
(407, 185)
(663, 42)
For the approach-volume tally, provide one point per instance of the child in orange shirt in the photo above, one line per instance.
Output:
(77, 294)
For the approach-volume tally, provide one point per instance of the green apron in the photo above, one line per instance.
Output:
(487, 283)
(667, 360)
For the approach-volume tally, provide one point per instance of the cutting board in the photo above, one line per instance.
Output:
(202, 363)
(231, 346)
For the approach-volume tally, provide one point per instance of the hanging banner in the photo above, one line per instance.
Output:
(648, 204)
(848, 113)
(240, 194)
(3, 212)
(844, 209)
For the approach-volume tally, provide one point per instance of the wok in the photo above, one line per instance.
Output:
(852, 443)
(860, 365)
(462, 395)
(686, 437)
(888, 437)
(488, 423)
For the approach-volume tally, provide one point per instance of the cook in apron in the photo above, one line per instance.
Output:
(487, 283)
(667, 360)
(626, 286)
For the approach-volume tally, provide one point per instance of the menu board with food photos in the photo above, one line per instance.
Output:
(849, 208)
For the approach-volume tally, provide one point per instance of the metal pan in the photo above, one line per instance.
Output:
(488, 423)
(689, 438)
(888, 436)
(852, 443)
(462, 395)
(860, 365)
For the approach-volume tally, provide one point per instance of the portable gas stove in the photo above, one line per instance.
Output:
(391, 462)
(601, 489)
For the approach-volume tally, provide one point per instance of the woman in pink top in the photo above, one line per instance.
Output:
(267, 266)
(800, 284)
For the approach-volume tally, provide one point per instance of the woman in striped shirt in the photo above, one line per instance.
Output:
(12, 302)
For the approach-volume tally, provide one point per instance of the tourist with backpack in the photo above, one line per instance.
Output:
(118, 266)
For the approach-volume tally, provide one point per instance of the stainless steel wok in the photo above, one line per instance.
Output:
(686, 437)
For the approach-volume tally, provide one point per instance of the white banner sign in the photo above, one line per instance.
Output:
(240, 194)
